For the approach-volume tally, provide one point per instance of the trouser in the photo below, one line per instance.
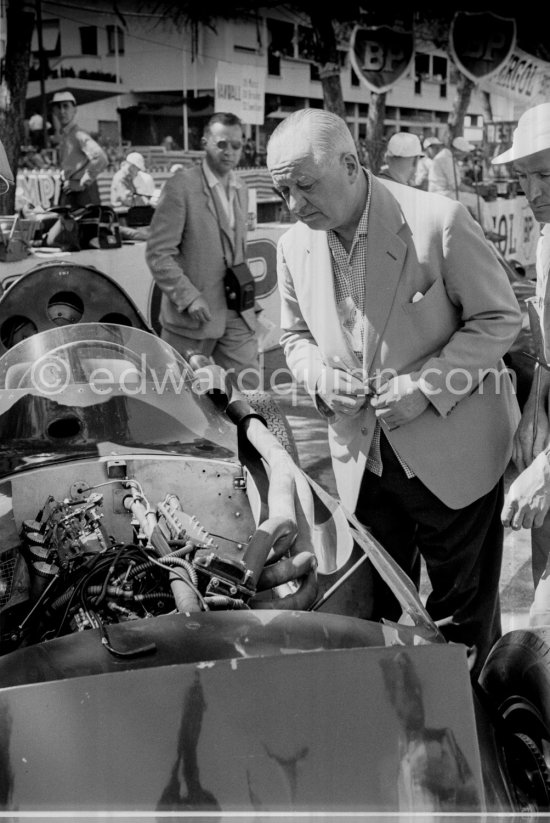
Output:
(540, 549)
(236, 351)
(462, 549)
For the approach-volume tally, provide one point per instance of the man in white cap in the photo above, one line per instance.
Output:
(431, 147)
(132, 185)
(445, 177)
(528, 499)
(402, 153)
(80, 157)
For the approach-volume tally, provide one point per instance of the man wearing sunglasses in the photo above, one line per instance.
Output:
(197, 232)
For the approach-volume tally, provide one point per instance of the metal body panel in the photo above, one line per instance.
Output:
(245, 735)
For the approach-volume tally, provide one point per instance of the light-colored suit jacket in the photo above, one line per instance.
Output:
(467, 318)
(185, 255)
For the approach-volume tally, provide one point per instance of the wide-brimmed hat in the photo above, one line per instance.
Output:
(461, 144)
(5, 169)
(63, 97)
(531, 135)
(136, 159)
(404, 144)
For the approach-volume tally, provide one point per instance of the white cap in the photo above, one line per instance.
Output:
(461, 144)
(136, 159)
(432, 141)
(63, 97)
(531, 135)
(404, 144)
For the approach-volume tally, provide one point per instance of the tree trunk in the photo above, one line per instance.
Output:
(455, 123)
(328, 60)
(13, 90)
(486, 106)
(376, 144)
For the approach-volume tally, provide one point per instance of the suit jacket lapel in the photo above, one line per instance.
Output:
(221, 219)
(386, 252)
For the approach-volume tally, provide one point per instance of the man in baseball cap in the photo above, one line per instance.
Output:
(402, 153)
(528, 499)
(81, 158)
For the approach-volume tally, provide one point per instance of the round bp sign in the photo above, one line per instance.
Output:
(481, 42)
(380, 55)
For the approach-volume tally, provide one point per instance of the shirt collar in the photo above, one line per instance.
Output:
(212, 180)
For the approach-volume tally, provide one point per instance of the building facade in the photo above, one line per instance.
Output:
(146, 80)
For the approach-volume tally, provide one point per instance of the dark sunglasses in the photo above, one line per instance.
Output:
(222, 145)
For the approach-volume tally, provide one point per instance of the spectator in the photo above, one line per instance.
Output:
(80, 157)
(36, 130)
(168, 144)
(528, 499)
(445, 177)
(395, 316)
(132, 185)
(402, 155)
(197, 232)
(431, 147)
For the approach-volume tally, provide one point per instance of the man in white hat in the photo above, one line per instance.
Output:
(132, 185)
(80, 157)
(528, 499)
(402, 153)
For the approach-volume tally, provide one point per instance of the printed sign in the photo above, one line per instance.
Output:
(241, 91)
(522, 77)
(481, 42)
(380, 56)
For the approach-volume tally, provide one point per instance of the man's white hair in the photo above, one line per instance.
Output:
(327, 135)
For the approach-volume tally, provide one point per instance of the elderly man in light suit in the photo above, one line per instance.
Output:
(199, 227)
(396, 314)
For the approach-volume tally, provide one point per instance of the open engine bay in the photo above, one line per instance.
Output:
(96, 542)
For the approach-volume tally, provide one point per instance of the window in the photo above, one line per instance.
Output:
(88, 40)
(115, 40)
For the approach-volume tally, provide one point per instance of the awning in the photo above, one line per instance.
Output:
(85, 91)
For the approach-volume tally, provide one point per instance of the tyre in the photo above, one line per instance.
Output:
(516, 681)
(276, 421)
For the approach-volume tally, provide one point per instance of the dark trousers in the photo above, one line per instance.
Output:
(462, 549)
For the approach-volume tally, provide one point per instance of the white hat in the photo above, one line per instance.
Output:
(63, 97)
(136, 159)
(432, 141)
(404, 144)
(531, 135)
(461, 144)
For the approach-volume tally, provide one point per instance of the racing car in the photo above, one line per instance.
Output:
(184, 612)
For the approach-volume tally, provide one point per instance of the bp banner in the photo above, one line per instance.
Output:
(241, 91)
(481, 42)
(380, 55)
(524, 78)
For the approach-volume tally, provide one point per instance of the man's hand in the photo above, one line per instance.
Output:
(526, 447)
(300, 571)
(86, 180)
(528, 498)
(399, 401)
(340, 391)
(199, 310)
